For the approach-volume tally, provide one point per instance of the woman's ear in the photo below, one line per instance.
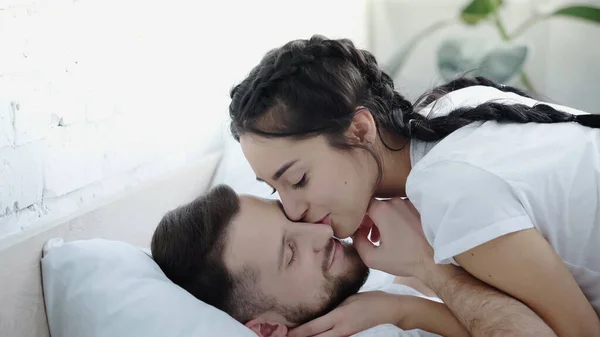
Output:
(362, 129)
(268, 326)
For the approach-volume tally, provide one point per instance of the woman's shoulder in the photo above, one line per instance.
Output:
(476, 95)
(531, 156)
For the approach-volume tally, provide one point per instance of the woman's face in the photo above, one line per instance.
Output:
(316, 182)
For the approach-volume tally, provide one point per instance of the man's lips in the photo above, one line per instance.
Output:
(332, 255)
(337, 249)
(329, 253)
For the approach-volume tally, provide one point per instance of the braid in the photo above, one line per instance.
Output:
(434, 129)
(439, 127)
(303, 59)
(254, 93)
(397, 111)
(461, 83)
(310, 87)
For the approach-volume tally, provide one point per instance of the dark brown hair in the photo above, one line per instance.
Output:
(188, 246)
(313, 87)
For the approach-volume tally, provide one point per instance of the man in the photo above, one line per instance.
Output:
(243, 256)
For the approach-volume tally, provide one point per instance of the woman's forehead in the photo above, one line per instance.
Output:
(258, 141)
(284, 147)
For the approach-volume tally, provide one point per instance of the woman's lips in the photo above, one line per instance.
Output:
(326, 220)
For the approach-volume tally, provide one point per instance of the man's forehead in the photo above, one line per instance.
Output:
(255, 233)
(251, 205)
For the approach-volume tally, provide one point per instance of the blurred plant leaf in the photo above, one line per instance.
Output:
(452, 60)
(500, 63)
(478, 10)
(589, 13)
(400, 57)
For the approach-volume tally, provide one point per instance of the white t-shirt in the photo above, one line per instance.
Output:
(489, 179)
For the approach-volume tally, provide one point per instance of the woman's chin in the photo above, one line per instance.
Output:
(366, 223)
(343, 232)
(348, 229)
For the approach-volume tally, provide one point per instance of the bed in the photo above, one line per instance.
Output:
(130, 218)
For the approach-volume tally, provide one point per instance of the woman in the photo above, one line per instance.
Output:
(507, 188)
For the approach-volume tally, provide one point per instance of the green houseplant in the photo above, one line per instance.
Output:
(499, 62)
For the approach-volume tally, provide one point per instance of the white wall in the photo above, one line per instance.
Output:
(100, 95)
(563, 63)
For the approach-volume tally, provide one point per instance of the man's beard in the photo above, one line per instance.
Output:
(336, 289)
(343, 286)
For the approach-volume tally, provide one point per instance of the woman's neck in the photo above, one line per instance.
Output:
(396, 166)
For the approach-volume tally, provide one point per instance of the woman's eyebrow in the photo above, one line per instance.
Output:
(280, 172)
(283, 168)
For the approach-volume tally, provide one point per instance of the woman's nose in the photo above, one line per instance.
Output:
(294, 208)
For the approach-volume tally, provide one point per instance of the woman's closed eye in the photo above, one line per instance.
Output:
(301, 183)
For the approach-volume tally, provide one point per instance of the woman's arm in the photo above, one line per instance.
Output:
(368, 309)
(525, 266)
(415, 284)
(481, 309)
(403, 250)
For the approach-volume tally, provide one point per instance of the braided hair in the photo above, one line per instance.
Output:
(313, 87)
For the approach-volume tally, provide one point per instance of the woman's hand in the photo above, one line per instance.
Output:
(366, 310)
(403, 249)
(358, 313)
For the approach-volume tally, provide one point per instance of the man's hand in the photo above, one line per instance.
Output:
(403, 248)
(359, 312)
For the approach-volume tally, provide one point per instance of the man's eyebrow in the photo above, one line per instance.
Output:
(282, 250)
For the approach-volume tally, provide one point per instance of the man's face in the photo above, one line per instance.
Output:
(300, 266)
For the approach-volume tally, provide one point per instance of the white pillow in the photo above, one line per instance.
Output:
(101, 288)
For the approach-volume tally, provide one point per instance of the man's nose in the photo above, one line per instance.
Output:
(317, 235)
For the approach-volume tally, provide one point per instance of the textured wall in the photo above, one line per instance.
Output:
(100, 95)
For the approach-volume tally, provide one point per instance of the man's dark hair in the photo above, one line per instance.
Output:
(188, 245)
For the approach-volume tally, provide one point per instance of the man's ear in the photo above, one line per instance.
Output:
(268, 325)
(362, 129)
